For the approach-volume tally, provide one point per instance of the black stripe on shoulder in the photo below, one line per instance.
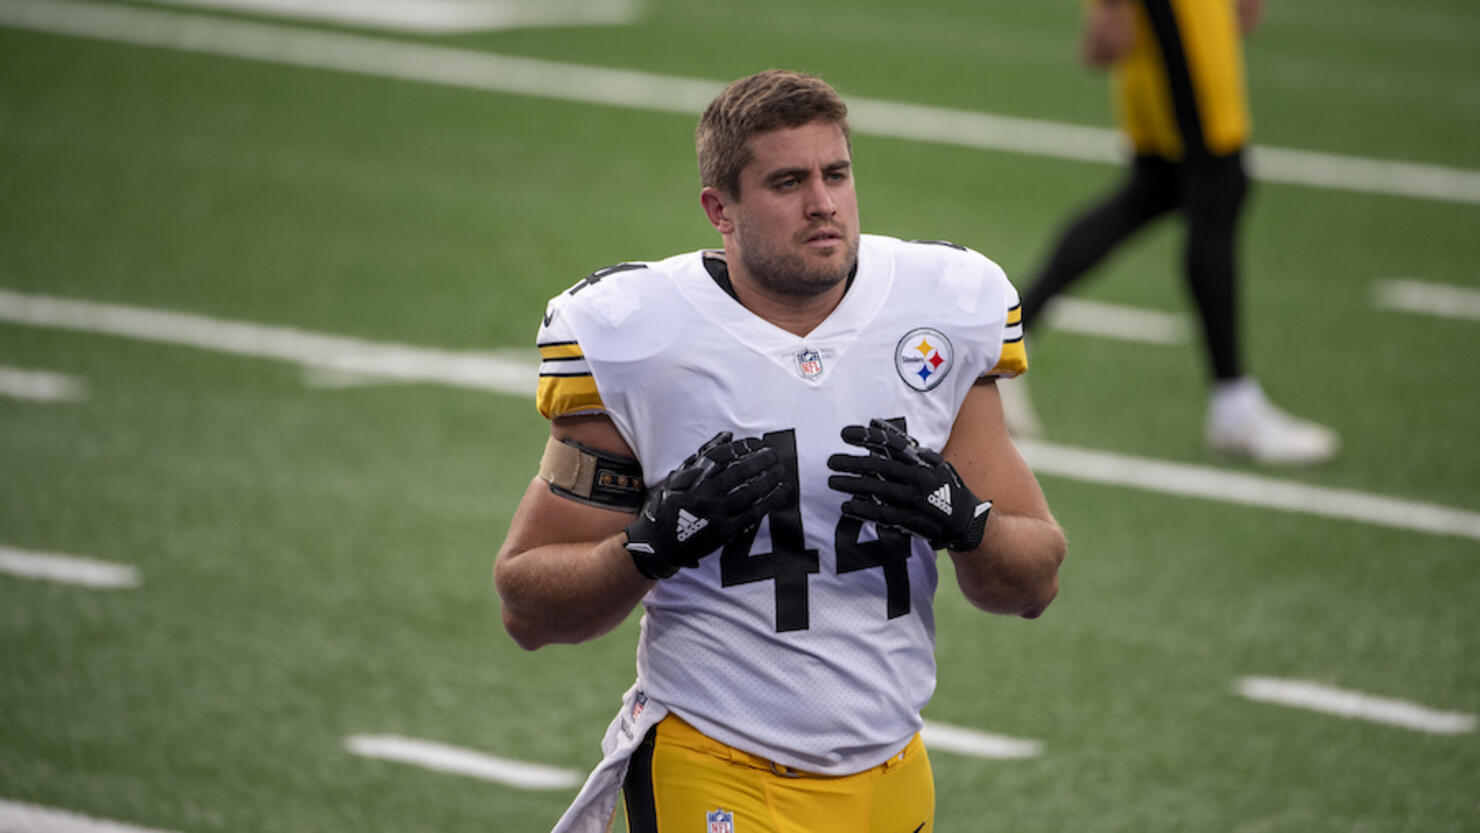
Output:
(595, 277)
(556, 343)
(948, 244)
(564, 375)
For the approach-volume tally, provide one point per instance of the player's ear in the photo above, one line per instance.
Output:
(717, 209)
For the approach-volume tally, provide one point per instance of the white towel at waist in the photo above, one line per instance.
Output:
(597, 800)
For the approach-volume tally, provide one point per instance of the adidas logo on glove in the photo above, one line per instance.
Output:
(689, 524)
(941, 499)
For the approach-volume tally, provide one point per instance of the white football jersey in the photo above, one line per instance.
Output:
(812, 642)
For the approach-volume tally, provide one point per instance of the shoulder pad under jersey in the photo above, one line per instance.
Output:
(621, 313)
(974, 291)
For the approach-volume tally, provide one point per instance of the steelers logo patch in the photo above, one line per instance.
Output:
(923, 358)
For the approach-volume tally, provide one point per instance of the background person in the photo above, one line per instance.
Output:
(1179, 81)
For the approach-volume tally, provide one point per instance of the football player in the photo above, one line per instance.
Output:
(766, 446)
(1181, 102)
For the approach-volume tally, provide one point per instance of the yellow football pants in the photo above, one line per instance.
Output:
(680, 780)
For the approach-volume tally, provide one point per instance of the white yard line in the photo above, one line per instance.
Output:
(18, 817)
(941, 737)
(444, 758)
(342, 355)
(364, 55)
(1407, 295)
(1362, 175)
(1096, 318)
(1302, 694)
(439, 16)
(67, 569)
(1190, 480)
(505, 374)
(688, 96)
(41, 385)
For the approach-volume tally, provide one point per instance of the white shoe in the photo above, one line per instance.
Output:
(1017, 409)
(1243, 423)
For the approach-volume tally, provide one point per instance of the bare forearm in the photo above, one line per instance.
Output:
(567, 592)
(1015, 570)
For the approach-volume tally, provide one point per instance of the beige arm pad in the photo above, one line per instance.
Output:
(568, 467)
(591, 476)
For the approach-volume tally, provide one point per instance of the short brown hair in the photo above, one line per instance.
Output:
(758, 104)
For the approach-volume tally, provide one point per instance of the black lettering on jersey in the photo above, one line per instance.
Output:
(948, 244)
(789, 562)
(595, 277)
(891, 552)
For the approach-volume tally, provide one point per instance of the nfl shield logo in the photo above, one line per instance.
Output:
(720, 822)
(809, 363)
(639, 703)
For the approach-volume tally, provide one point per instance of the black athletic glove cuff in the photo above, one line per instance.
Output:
(648, 562)
(972, 537)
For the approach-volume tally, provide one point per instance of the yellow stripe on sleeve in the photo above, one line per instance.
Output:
(561, 350)
(1012, 362)
(563, 395)
(1015, 315)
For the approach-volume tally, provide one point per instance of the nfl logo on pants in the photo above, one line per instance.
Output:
(720, 822)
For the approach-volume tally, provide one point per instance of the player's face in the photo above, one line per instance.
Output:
(796, 222)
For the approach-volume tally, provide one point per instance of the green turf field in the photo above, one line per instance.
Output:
(314, 552)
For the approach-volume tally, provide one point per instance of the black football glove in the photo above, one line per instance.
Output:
(904, 485)
(723, 489)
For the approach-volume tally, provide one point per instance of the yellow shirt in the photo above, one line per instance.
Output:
(1182, 85)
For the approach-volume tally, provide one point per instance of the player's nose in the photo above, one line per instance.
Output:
(820, 201)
